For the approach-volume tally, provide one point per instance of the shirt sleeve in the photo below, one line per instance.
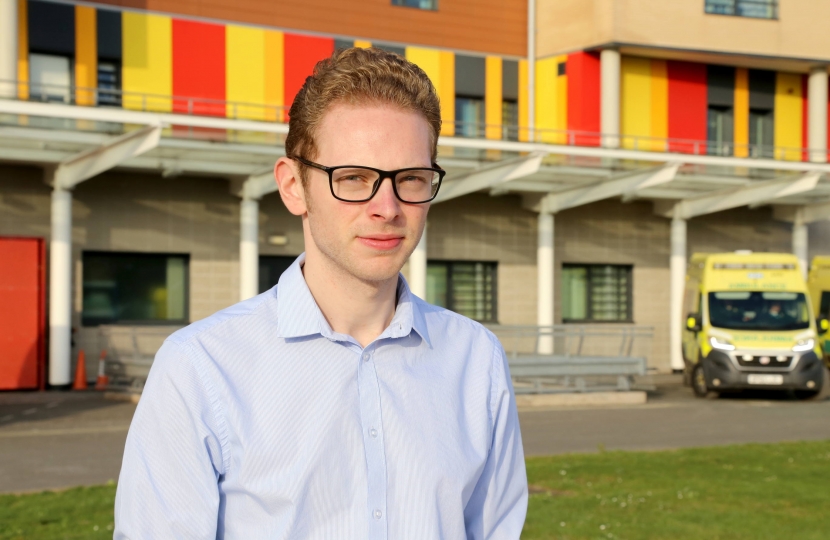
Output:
(173, 459)
(497, 508)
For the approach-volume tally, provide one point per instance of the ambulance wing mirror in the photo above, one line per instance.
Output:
(693, 323)
(823, 325)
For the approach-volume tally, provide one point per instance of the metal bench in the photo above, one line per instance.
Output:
(584, 358)
(130, 351)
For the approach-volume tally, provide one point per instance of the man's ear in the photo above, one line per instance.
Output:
(290, 186)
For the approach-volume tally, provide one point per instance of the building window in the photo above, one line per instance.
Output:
(510, 119)
(469, 116)
(720, 130)
(134, 288)
(758, 9)
(50, 77)
(761, 135)
(466, 287)
(271, 268)
(596, 293)
(109, 84)
(419, 4)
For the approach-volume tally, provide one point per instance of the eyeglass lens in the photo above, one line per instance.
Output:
(355, 184)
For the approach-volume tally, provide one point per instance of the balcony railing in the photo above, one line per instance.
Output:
(204, 107)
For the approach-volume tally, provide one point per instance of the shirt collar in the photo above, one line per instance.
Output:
(299, 316)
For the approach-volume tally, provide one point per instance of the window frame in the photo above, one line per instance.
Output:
(92, 323)
(400, 3)
(447, 264)
(736, 4)
(629, 319)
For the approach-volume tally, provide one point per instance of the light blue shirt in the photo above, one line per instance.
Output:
(262, 422)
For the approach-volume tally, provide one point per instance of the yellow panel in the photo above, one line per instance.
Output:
(361, 44)
(147, 64)
(546, 106)
(427, 59)
(23, 49)
(446, 92)
(741, 112)
(524, 108)
(245, 72)
(493, 97)
(788, 120)
(659, 105)
(86, 55)
(635, 101)
(274, 76)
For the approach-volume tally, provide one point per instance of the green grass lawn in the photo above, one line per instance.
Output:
(750, 491)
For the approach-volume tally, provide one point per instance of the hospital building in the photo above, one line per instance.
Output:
(591, 147)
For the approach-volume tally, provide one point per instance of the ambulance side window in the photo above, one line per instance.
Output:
(824, 310)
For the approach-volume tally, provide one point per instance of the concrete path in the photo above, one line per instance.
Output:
(53, 440)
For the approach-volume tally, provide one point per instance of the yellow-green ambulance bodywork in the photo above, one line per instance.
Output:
(735, 346)
(818, 283)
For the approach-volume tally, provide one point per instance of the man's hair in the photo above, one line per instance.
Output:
(355, 77)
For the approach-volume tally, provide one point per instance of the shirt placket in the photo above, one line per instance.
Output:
(370, 416)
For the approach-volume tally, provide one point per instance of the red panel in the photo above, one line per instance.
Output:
(22, 287)
(583, 97)
(301, 55)
(687, 106)
(199, 67)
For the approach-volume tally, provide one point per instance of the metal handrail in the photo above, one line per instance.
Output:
(574, 340)
(197, 106)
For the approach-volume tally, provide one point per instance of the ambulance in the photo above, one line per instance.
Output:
(750, 324)
(818, 283)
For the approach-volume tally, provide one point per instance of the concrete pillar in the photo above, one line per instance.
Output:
(248, 249)
(8, 48)
(60, 289)
(544, 264)
(800, 245)
(418, 268)
(677, 270)
(609, 60)
(817, 114)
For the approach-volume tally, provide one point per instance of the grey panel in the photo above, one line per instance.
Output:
(109, 34)
(469, 76)
(51, 28)
(510, 80)
(391, 48)
(720, 85)
(761, 89)
(343, 44)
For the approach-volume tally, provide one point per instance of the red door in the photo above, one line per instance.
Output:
(22, 313)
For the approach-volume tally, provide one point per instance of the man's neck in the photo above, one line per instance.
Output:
(351, 306)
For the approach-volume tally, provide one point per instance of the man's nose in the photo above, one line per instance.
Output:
(385, 203)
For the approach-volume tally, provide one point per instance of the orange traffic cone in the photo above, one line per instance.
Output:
(80, 373)
(102, 381)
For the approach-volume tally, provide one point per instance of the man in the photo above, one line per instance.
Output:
(336, 405)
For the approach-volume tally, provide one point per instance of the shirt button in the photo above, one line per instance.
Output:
(374, 433)
(378, 513)
(366, 357)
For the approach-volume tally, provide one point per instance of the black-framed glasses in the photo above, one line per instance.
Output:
(356, 183)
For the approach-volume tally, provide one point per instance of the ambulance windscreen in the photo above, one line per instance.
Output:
(758, 310)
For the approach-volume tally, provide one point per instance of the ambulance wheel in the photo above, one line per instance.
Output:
(816, 395)
(699, 381)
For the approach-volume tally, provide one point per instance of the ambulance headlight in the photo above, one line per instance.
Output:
(721, 344)
(804, 345)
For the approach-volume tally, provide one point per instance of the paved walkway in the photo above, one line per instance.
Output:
(62, 439)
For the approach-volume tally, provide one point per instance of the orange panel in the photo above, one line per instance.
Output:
(22, 286)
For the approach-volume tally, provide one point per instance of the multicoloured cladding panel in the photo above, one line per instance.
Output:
(179, 65)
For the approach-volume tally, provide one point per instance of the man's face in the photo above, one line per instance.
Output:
(370, 240)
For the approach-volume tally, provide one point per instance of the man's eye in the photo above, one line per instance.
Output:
(413, 178)
(351, 178)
